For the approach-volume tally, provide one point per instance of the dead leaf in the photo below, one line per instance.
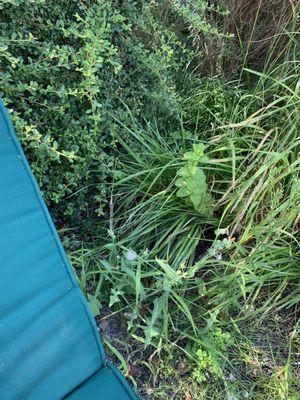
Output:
(183, 368)
(188, 396)
(104, 324)
(133, 370)
(280, 372)
(154, 359)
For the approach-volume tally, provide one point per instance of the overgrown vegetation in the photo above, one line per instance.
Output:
(165, 137)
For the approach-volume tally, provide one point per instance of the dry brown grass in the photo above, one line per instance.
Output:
(260, 27)
(259, 30)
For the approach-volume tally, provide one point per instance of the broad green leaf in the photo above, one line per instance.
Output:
(182, 192)
(94, 304)
(115, 296)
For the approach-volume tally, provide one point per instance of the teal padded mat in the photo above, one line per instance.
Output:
(49, 342)
(107, 383)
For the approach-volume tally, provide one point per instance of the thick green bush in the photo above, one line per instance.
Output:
(65, 68)
(56, 63)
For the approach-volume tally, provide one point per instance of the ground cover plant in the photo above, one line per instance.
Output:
(165, 137)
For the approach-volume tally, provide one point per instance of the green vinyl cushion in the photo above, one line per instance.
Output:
(49, 342)
(106, 384)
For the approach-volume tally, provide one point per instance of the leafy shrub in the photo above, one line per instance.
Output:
(58, 69)
(64, 68)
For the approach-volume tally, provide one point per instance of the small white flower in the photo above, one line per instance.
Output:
(231, 377)
(130, 255)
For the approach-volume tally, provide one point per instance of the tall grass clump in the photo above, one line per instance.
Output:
(202, 244)
(183, 272)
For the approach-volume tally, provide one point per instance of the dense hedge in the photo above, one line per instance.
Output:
(65, 68)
